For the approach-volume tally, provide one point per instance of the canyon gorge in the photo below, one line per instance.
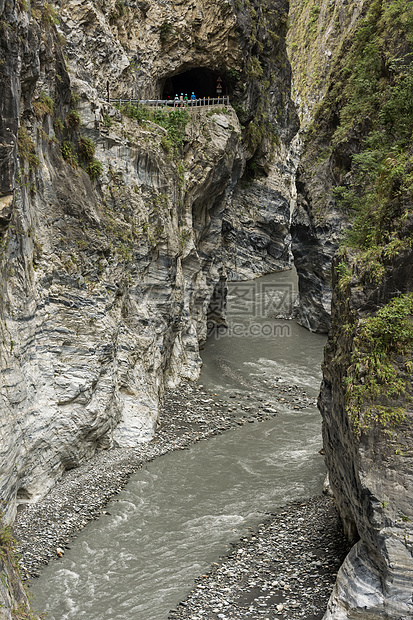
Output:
(120, 227)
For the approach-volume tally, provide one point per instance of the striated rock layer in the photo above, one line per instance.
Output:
(115, 231)
(354, 189)
(317, 39)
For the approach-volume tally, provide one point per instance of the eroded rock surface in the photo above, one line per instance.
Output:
(371, 477)
(317, 38)
(112, 227)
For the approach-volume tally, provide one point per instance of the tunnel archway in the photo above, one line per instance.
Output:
(201, 81)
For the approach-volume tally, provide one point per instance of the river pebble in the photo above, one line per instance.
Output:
(284, 569)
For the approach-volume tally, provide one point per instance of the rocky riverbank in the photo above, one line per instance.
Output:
(190, 414)
(285, 569)
(302, 546)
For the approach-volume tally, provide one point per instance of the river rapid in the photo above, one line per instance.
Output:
(178, 514)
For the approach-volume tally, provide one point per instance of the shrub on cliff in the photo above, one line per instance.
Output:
(368, 118)
(174, 121)
(27, 148)
(381, 368)
(375, 94)
(10, 576)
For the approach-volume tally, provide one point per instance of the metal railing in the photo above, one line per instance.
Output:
(174, 103)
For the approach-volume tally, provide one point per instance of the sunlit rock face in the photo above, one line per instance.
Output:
(115, 231)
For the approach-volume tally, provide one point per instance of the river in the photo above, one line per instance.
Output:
(178, 514)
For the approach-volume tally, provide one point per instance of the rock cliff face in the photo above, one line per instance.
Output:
(370, 469)
(354, 184)
(317, 38)
(256, 226)
(117, 225)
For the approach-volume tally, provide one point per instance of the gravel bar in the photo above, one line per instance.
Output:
(284, 569)
(190, 414)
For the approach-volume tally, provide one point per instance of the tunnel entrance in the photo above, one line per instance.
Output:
(201, 81)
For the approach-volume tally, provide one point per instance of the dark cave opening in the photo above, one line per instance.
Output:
(201, 81)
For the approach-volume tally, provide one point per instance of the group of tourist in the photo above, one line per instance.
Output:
(183, 97)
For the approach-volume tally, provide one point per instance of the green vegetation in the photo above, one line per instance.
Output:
(314, 13)
(94, 169)
(50, 16)
(374, 381)
(73, 120)
(233, 76)
(166, 31)
(256, 131)
(371, 100)
(86, 148)
(27, 148)
(86, 152)
(43, 105)
(107, 121)
(22, 5)
(254, 68)
(58, 125)
(184, 238)
(174, 121)
(68, 154)
(6, 539)
(83, 155)
(375, 93)
(9, 579)
(217, 110)
(119, 11)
